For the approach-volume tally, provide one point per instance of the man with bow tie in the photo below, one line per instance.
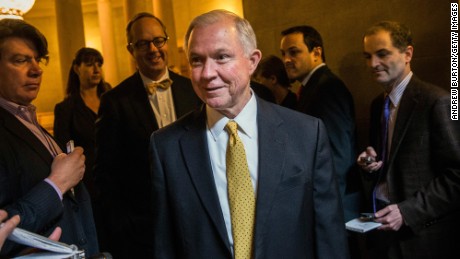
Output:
(150, 99)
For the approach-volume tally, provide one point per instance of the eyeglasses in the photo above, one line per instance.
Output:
(143, 45)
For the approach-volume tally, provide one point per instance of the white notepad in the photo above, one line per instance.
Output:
(361, 225)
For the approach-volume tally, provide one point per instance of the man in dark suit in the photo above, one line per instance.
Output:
(325, 96)
(37, 181)
(414, 188)
(294, 208)
(128, 115)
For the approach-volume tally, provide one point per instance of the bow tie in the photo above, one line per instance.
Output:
(152, 87)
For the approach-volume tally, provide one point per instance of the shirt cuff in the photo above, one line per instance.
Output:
(54, 187)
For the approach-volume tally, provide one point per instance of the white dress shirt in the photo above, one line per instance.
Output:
(162, 102)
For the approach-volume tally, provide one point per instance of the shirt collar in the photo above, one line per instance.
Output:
(305, 81)
(147, 80)
(246, 119)
(23, 111)
(397, 92)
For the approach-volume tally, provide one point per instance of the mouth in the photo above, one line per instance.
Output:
(32, 85)
(155, 58)
(212, 89)
(378, 72)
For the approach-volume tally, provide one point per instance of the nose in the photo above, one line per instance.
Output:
(35, 70)
(97, 68)
(152, 46)
(373, 61)
(286, 59)
(209, 69)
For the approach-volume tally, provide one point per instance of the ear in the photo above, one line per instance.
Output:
(76, 69)
(129, 47)
(317, 51)
(409, 53)
(254, 59)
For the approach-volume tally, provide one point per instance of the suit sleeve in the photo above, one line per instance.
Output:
(441, 195)
(163, 237)
(329, 227)
(39, 207)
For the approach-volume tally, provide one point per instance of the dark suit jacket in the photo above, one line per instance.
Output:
(126, 121)
(298, 212)
(423, 171)
(24, 164)
(326, 97)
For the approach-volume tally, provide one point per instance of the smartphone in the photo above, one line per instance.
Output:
(367, 160)
(368, 216)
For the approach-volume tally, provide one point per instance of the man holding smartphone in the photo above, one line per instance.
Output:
(413, 165)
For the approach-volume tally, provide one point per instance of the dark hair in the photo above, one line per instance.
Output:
(20, 29)
(311, 37)
(84, 55)
(273, 66)
(139, 16)
(400, 35)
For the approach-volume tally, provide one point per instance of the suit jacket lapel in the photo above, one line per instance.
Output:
(141, 104)
(200, 170)
(306, 95)
(272, 141)
(23, 133)
(405, 113)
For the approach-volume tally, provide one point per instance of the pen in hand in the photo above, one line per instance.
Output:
(70, 146)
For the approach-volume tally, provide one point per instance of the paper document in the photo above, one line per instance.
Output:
(61, 250)
(361, 225)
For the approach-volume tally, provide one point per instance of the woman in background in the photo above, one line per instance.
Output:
(75, 117)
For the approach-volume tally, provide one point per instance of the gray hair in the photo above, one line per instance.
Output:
(245, 32)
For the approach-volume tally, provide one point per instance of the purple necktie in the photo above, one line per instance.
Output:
(384, 125)
(385, 120)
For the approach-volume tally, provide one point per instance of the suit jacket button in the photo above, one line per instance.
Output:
(82, 241)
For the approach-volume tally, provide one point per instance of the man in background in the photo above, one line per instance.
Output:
(323, 95)
(151, 98)
(412, 167)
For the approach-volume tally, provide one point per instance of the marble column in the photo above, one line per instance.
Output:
(71, 36)
(163, 9)
(104, 9)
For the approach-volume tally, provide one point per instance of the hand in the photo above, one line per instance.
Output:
(67, 170)
(7, 227)
(390, 217)
(369, 167)
(56, 234)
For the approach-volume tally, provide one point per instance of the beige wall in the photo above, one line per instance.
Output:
(342, 23)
